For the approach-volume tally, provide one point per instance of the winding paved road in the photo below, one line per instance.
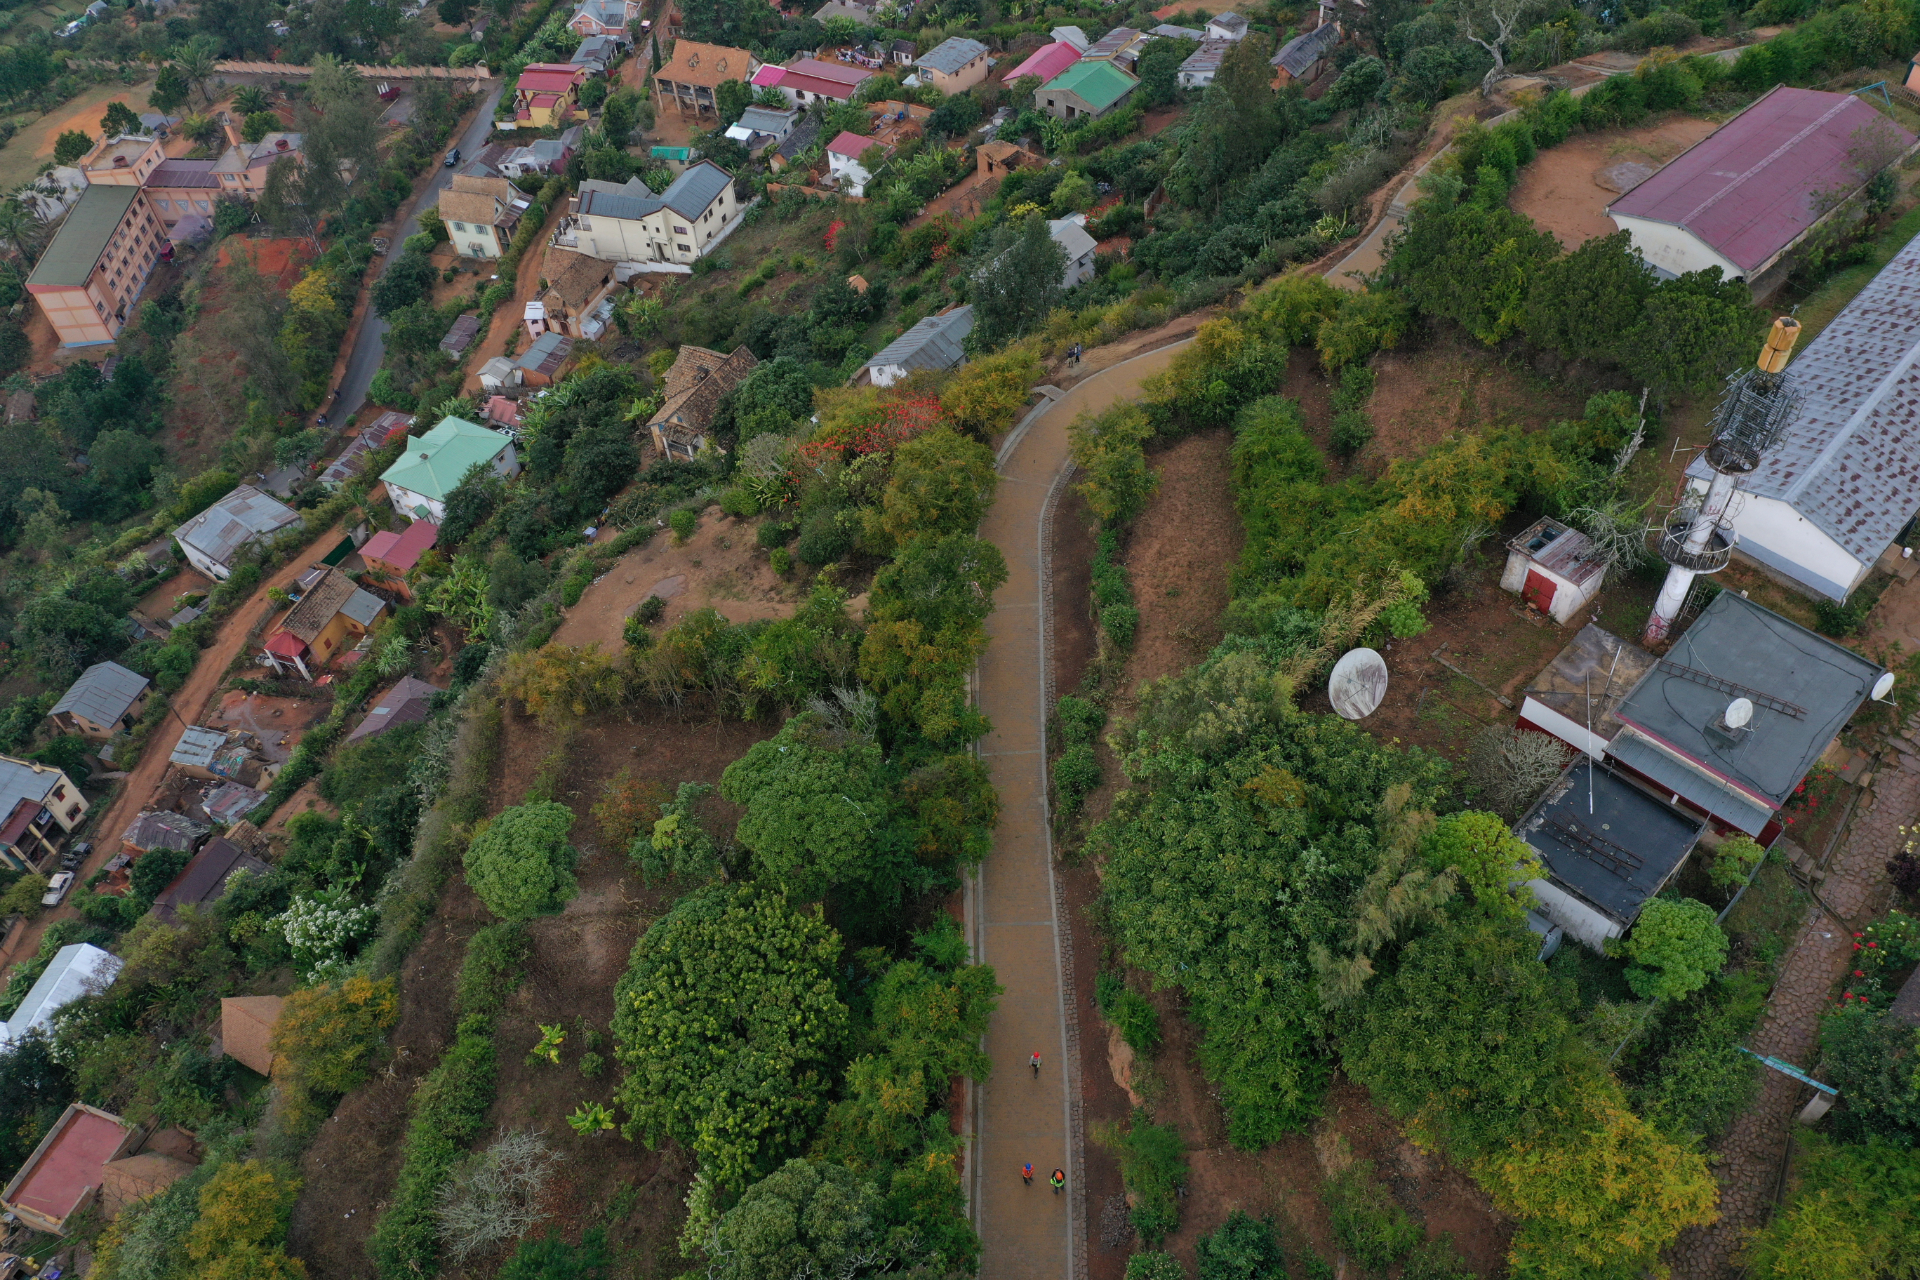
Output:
(1013, 910)
(370, 347)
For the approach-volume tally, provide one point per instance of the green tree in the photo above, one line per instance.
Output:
(730, 98)
(119, 119)
(70, 146)
(521, 865)
(169, 92)
(942, 483)
(258, 125)
(470, 504)
(1692, 332)
(1159, 72)
(407, 281)
(1870, 1056)
(1587, 305)
(1109, 447)
(814, 807)
(329, 1035)
(549, 1257)
(1241, 1248)
(811, 1219)
(1490, 860)
(1236, 126)
(1472, 265)
(727, 1023)
(1015, 282)
(1675, 948)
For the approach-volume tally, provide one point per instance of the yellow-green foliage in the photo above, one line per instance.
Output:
(1600, 1195)
(242, 1229)
(986, 396)
(1110, 449)
(1854, 1212)
(1494, 863)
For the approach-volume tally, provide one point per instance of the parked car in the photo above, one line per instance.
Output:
(57, 889)
(380, 244)
(453, 157)
(72, 29)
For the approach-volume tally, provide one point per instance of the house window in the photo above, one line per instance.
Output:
(59, 793)
(680, 231)
(685, 248)
(73, 811)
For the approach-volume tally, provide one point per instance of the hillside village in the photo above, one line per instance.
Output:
(644, 638)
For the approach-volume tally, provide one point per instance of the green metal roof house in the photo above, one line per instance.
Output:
(1084, 89)
(433, 464)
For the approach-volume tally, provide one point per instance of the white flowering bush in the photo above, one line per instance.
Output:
(321, 929)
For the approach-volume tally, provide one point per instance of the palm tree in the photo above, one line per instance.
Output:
(23, 231)
(195, 59)
(251, 100)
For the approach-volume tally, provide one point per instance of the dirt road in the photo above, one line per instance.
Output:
(189, 705)
(1013, 907)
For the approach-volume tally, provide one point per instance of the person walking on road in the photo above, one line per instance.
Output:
(1059, 1181)
(1034, 1062)
(1026, 1173)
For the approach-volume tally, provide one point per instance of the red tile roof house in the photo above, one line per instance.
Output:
(1741, 198)
(810, 80)
(64, 1173)
(392, 555)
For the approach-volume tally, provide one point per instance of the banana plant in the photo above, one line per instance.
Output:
(551, 1038)
(590, 1118)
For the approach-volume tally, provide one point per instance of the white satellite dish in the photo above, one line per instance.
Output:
(1358, 683)
(1739, 713)
(1882, 687)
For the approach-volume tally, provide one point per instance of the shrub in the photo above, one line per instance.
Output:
(1352, 429)
(1153, 1165)
(1675, 948)
(1078, 719)
(1075, 773)
(1241, 1248)
(684, 522)
(521, 865)
(1155, 1266)
(774, 533)
(636, 634)
(739, 504)
(22, 898)
(496, 1195)
(651, 610)
(1839, 620)
(1366, 1221)
(1110, 448)
(1120, 622)
(780, 560)
(329, 1035)
(1735, 860)
(1356, 388)
(1138, 1021)
(823, 539)
(494, 965)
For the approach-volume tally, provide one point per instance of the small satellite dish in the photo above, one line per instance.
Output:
(1358, 683)
(1882, 687)
(1739, 713)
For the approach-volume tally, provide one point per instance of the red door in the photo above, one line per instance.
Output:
(1539, 592)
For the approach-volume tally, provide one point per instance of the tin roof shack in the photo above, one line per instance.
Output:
(1305, 58)
(203, 881)
(163, 829)
(538, 366)
(1742, 197)
(1582, 686)
(1678, 734)
(212, 539)
(406, 703)
(227, 803)
(1607, 846)
(64, 1173)
(933, 343)
(246, 1028)
(1554, 569)
(104, 700)
(77, 969)
(212, 754)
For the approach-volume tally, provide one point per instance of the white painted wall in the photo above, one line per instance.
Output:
(849, 173)
(1582, 922)
(1673, 248)
(1779, 537)
(1575, 735)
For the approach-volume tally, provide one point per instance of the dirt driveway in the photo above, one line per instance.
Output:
(191, 704)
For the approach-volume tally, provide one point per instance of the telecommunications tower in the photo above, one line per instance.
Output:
(1749, 421)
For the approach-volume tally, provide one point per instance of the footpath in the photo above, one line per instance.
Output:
(1014, 912)
(1856, 889)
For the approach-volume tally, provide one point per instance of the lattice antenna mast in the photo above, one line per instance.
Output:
(1747, 424)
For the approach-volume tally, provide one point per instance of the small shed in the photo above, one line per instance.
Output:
(209, 755)
(162, 829)
(1554, 568)
(1305, 58)
(406, 703)
(499, 372)
(246, 1030)
(229, 802)
(540, 364)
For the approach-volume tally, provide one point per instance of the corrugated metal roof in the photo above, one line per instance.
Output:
(460, 335)
(183, 173)
(1297, 56)
(1748, 189)
(696, 189)
(1208, 57)
(934, 343)
(1047, 61)
(363, 606)
(164, 829)
(237, 519)
(547, 354)
(197, 747)
(1559, 549)
(1072, 237)
(1098, 84)
(630, 201)
(433, 464)
(1735, 640)
(950, 55)
(102, 694)
(83, 237)
(767, 120)
(76, 970)
(1850, 459)
(406, 703)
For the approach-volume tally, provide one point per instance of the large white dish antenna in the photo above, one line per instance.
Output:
(1358, 683)
(1882, 687)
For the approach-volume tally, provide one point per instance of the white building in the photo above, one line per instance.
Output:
(933, 343)
(1554, 569)
(78, 969)
(1070, 233)
(1228, 26)
(213, 539)
(433, 465)
(843, 162)
(629, 223)
(1822, 507)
